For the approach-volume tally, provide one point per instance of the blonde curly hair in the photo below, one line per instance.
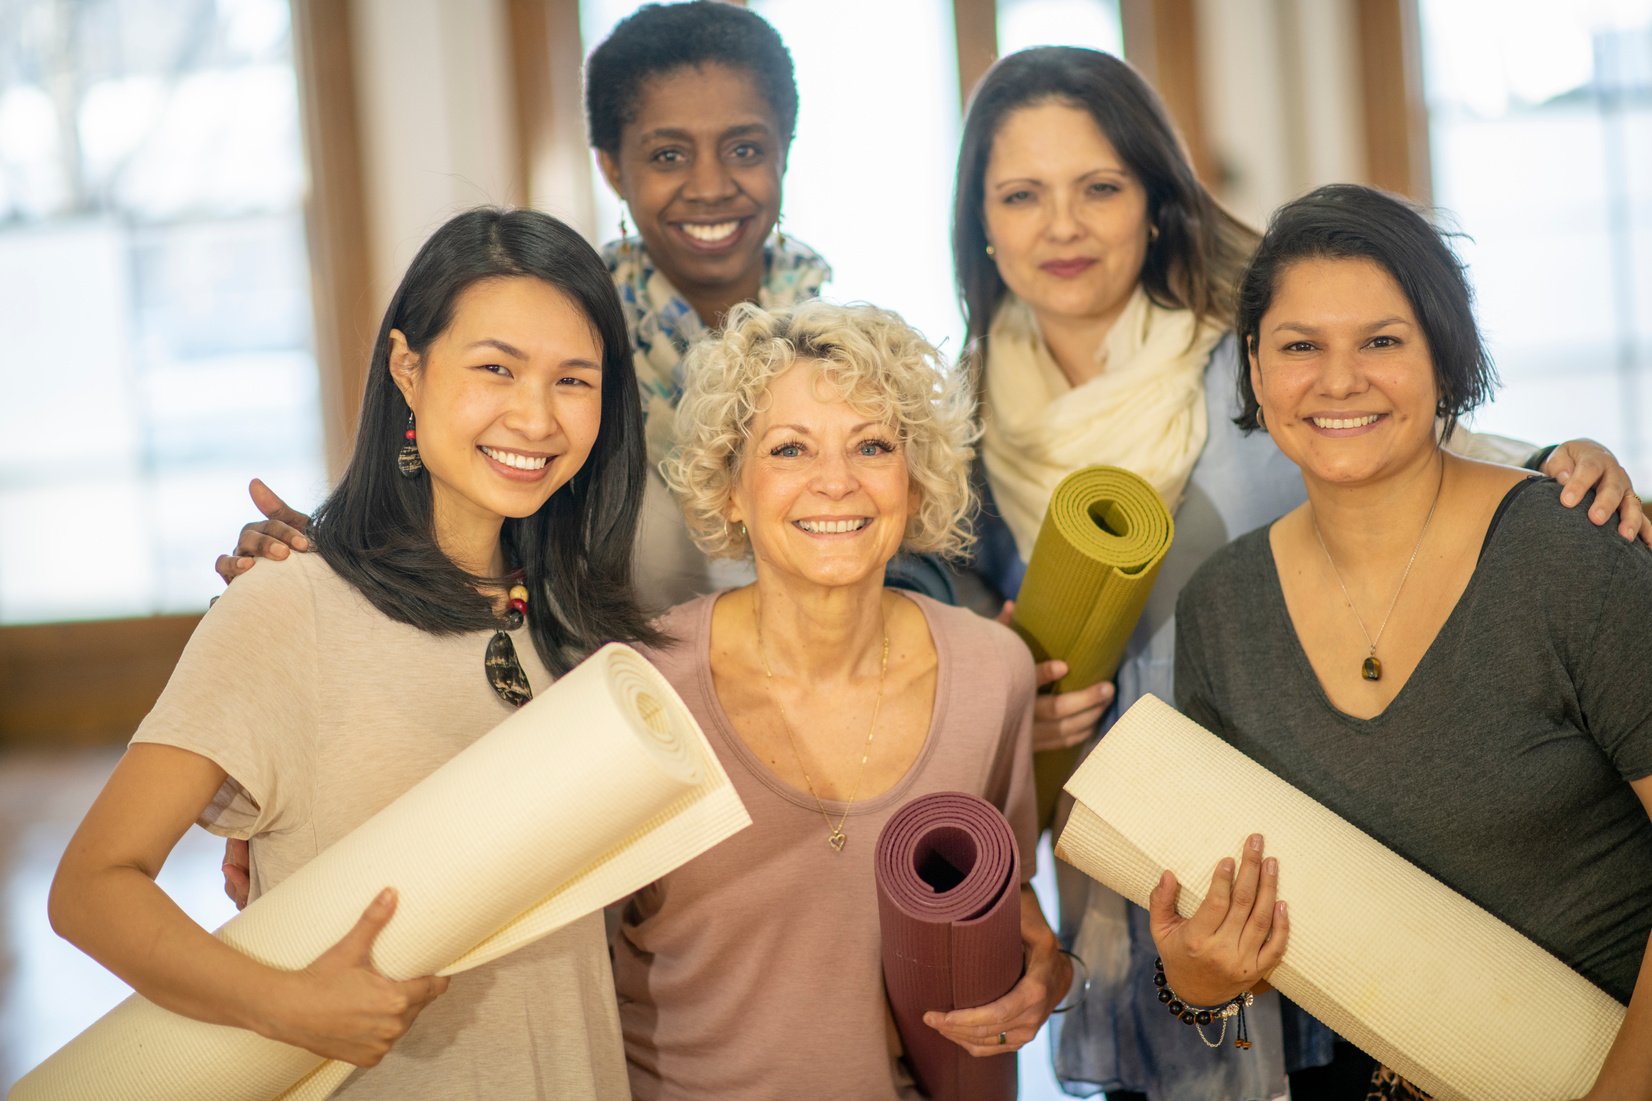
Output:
(878, 364)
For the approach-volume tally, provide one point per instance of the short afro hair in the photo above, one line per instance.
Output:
(661, 38)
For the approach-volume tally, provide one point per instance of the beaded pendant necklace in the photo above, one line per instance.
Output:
(1371, 667)
(503, 667)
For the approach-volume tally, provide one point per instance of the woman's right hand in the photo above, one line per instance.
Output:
(1233, 940)
(339, 1007)
(1062, 719)
(272, 537)
(237, 869)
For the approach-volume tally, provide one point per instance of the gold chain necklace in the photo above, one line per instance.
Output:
(837, 839)
(1371, 667)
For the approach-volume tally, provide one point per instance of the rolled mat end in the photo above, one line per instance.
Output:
(949, 883)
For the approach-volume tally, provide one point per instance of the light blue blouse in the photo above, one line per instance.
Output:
(1120, 1037)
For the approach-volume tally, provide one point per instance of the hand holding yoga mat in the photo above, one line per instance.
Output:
(1098, 553)
(1441, 991)
(598, 787)
(949, 908)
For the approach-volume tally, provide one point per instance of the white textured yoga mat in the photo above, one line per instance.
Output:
(598, 787)
(1394, 960)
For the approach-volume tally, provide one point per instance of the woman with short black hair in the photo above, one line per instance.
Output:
(1397, 648)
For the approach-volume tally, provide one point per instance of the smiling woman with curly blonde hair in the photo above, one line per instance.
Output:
(868, 357)
(821, 441)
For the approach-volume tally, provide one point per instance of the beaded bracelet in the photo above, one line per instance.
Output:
(1201, 1015)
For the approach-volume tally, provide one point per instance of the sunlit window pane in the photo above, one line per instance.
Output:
(1541, 126)
(870, 178)
(153, 262)
(1092, 23)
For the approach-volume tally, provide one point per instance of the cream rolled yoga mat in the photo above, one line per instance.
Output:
(1098, 553)
(598, 787)
(1414, 973)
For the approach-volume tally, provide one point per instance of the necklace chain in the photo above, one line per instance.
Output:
(1371, 668)
(836, 838)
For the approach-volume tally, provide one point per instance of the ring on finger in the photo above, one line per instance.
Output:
(1003, 1038)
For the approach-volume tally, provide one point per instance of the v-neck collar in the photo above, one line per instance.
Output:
(754, 765)
(1280, 612)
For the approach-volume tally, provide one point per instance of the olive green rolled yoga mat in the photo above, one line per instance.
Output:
(1098, 553)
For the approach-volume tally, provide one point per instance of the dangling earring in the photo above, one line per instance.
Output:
(991, 251)
(408, 461)
(779, 232)
(625, 235)
(1259, 422)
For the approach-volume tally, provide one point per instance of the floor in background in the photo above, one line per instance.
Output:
(49, 991)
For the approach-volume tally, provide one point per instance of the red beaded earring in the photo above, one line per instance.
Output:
(407, 459)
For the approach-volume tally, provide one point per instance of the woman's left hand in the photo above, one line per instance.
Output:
(1063, 719)
(1582, 465)
(1013, 1020)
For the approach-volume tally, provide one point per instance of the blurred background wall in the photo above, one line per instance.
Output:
(204, 205)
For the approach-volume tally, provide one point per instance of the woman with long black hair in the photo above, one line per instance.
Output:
(477, 547)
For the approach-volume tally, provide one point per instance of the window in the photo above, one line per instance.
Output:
(1540, 119)
(153, 262)
(1092, 23)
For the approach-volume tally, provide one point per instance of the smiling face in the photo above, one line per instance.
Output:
(700, 167)
(823, 488)
(508, 402)
(1343, 372)
(1066, 217)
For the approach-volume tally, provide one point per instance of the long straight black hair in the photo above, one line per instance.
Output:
(377, 530)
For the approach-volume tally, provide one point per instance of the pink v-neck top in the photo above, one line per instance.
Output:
(754, 971)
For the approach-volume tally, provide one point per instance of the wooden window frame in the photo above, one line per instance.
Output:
(1393, 102)
(82, 683)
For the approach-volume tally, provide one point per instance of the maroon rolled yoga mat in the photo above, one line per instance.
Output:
(949, 907)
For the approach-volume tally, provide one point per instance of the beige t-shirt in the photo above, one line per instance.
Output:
(755, 971)
(323, 711)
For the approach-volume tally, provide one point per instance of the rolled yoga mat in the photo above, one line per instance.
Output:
(598, 787)
(1441, 991)
(949, 909)
(1097, 555)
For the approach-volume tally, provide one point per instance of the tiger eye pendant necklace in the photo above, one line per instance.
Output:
(837, 839)
(1371, 667)
(503, 667)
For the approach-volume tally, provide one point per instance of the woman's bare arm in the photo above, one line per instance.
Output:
(105, 900)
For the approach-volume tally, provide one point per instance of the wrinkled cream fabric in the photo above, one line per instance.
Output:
(598, 787)
(1396, 961)
(1144, 412)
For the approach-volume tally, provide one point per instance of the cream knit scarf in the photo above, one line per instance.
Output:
(1144, 412)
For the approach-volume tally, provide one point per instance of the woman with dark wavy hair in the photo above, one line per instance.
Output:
(1097, 278)
(477, 547)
